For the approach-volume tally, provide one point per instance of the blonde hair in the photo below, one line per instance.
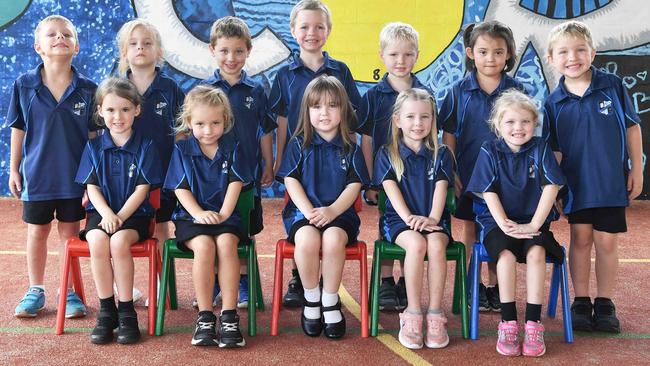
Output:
(204, 95)
(310, 5)
(398, 32)
(572, 28)
(230, 27)
(124, 35)
(121, 87)
(431, 141)
(53, 18)
(326, 86)
(509, 99)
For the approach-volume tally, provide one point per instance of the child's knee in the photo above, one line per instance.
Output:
(437, 246)
(204, 249)
(536, 254)
(506, 257)
(333, 242)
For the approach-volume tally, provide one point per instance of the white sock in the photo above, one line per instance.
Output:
(333, 316)
(41, 287)
(312, 295)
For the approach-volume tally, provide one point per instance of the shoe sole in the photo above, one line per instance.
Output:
(78, 314)
(204, 342)
(406, 344)
(507, 355)
(128, 341)
(437, 345)
(233, 345)
(100, 341)
(292, 303)
(26, 315)
(242, 305)
(607, 330)
(539, 355)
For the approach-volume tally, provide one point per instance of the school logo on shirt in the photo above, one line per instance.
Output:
(344, 164)
(248, 101)
(160, 107)
(224, 167)
(605, 107)
(531, 169)
(131, 170)
(430, 173)
(79, 108)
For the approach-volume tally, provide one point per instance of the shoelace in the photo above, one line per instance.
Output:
(509, 335)
(206, 325)
(535, 334)
(230, 327)
(436, 325)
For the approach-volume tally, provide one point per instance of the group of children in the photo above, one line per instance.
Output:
(203, 149)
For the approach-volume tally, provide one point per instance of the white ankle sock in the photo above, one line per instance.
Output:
(312, 295)
(333, 316)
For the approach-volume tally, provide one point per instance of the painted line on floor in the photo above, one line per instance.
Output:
(386, 339)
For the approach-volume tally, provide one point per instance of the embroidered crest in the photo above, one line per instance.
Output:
(224, 167)
(160, 107)
(248, 101)
(131, 170)
(430, 172)
(605, 107)
(344, 164)
(79, 108)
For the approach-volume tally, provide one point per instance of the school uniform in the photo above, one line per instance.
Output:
(118, 171)
(464, 113)
(421, 173)
(292, 79)
(253, 120)
(161, 105)
(376, 110)
(55, 135)
(324, 169)
(590, 132)
(208, 180)
(518, 178)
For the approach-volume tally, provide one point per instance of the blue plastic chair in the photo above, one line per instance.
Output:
(559, 282)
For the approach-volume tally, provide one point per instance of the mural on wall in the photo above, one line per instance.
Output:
(620, 29)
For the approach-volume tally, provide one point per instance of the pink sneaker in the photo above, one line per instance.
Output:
(534, 339)
(410, 330)
(508, 342)
(437, 336)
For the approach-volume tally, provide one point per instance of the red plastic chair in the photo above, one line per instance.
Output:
(76, 248)
(284, 250)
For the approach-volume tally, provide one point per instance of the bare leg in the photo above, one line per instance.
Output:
(415, 246)
(437, 268)
(334, 241)
(204, 248)
(306, 255)
(228, 269)
(582, 239)
(535, 274)
(37, 252)
(121, 243)
(606, 262)
(100, 262)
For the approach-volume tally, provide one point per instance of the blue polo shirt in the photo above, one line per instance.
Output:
(253, 118)
(161, 105)
(324, 169)
(206, 178)
(376, 110)
(590, 132)
(517, 178)
(292, 79)
(464, 113)
(55, 134)
(421, 173)
(118, 170)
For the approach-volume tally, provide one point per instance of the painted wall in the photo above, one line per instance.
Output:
(620, 28)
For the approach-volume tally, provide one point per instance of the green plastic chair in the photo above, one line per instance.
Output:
(244, 250)
(385, 250)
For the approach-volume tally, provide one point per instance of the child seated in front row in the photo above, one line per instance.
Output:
(517, 177)
(323, 171)
(207, 177)
(118, 169)
(415, 173)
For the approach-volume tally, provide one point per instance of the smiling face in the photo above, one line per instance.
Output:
(231, 54)
(207, 124)
(516, 127)
(399, 58)
(325, 116)
(118, 114)
(572, 57)
(142, 50)
(489, 55)
(415, 119)
(56, 38)
(310, 30)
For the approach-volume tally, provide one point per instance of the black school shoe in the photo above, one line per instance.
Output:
(295, 292)
(106, 323)
(483, 303)
(229, 333)
(605, 319)
(334, 330)
(492, 295)
(128, 331)
(311, 327)
(205, 333)
(400, 290)
(581, 315)
(388, 295)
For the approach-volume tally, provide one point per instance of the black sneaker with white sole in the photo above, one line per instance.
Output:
(229, 334)
(492, 294)
(205, 333)
(388, 295)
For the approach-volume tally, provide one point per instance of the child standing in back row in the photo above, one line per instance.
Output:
(311, 24)
(592, 126)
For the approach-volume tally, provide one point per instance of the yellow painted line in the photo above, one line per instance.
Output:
(21, 252)
(386, 339)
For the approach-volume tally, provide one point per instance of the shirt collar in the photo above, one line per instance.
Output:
(193, 148)
(405, 152)
(33, 78)
(384, 86)
(155, 83)
(217, 79)
(473, 84)
(502, 146)
(131, 145)
(599, 80)
(318, 140)
(295, 62)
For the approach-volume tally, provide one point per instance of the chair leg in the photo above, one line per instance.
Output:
(475, 275)
(252, 291)
(77, 281)
(566, 306)
(164, 285)
(374, 286)
(173, 298)
(153, 282)
(277, 288)
(63, 287)
(553, 291)
(455, 304)
(363, 263)
(260, 296)
(462, 281)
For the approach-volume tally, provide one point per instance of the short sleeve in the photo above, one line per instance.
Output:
(383, 170)
(549, 127)
(266, 116)
(484, 177)
(150, 166)
(179, 99)
(444, 165)
(239, 170)
(14, 111)
(86, 173)
(351, 88)
(92, 124)
(447, 114)
(629, 111)
(277, 97)
(550, 170)
(358, 172)
(176, 171)
(365, 116)
(291, 161)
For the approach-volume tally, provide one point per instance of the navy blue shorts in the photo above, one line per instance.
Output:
(607, 219)
(464, 208)
(186, 230)
(167, 206)
(42, 212)
(257, 221)
(497, 241)
(138, 223)
(337, 222)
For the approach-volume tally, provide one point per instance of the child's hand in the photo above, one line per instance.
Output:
(322, 216)
(635, 183)
(458, 186)
(267, 176)
(420, 223)
(207, 218)
(521, 231)
(111, 223)
(15, 184)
